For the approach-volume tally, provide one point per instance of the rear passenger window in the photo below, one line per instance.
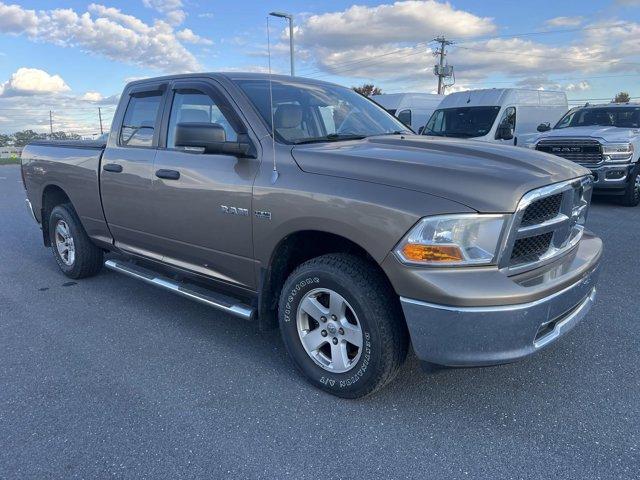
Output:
(139, 121)
(192, 106)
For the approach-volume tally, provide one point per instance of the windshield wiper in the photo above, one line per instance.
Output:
(332, 137)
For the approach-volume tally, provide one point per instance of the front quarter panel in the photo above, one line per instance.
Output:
(373, 216)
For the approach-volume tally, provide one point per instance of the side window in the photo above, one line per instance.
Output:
(405, 117)
(192, 106)
(139, 121)
(509, 118)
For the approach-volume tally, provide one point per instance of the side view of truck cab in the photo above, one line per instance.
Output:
(506, 116)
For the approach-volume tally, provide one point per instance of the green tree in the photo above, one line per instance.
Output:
(622, 97)
(5, 140)
(368, 89)
(26, 136)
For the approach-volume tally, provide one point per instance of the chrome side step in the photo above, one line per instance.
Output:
(193, 292)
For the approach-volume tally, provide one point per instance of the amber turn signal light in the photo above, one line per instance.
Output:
(432, 253)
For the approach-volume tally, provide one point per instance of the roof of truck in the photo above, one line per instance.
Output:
(229, 76)
(502, 96)
(609, 105)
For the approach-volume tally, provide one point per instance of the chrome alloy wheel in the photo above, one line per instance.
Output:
(64, 243)
(329, 330)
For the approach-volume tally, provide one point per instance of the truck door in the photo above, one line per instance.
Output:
(202, 202)
(127, 168)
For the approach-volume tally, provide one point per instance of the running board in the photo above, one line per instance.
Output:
(218, 301)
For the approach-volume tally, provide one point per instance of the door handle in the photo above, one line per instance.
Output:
(168, 174)
(112, 167)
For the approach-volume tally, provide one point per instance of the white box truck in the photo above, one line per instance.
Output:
(412, 109)
(499, 115)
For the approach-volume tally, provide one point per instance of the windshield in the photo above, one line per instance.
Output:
(462, 122)
(624, 117)
(308, 112)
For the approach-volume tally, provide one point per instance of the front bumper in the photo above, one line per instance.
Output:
(611, 176)
(461, 335)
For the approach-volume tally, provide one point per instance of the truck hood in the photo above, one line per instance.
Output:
(482, 176)
(608, 134)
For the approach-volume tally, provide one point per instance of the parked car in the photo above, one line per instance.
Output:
(319, 212)
(412, 109)
(605, 139)
(498, 115)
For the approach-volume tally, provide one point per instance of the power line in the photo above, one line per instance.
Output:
(373, 60)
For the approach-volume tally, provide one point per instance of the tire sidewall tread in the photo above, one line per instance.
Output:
(88, 257)
(384, 335)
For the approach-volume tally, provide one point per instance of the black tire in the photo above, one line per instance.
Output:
(377, 310)
(631, 197)
(88, 258)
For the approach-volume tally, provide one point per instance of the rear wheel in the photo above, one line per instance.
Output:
(631, 196)
(342, 326)
(74, 252)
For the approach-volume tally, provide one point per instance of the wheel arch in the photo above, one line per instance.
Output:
(295, 249)
(52, 196)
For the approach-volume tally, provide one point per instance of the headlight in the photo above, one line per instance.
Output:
(618, 152)
(449, 240)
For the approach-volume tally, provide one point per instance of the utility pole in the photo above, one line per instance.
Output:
(51, 123)
(289, 17)
(100, 117)
(441, 70)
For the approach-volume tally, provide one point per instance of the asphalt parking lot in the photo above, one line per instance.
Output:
(108, 377)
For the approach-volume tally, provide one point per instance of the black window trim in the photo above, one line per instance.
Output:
(206, 87)
(143, 91)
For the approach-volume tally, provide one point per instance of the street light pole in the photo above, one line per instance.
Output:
(289, 17)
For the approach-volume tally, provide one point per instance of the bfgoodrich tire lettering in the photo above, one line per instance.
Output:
(384, 338)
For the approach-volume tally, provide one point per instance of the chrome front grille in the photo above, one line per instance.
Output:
(549, 221)
(575, 149)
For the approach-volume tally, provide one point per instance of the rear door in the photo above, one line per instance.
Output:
(127, 169)
(202, 208)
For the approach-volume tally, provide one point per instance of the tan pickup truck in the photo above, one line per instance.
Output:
(302, 204)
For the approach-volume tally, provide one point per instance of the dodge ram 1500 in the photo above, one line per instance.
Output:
(302, 204)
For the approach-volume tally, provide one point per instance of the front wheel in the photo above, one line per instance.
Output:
(342, 326)
(631, 196)
(74, 252)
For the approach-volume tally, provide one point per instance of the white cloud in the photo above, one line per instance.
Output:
(187, 36)
(206, 15)
(405, 21)
(105, 31)
(32, 81)
(564, 21)
(92, 97)
(577, 87)
(171, 9)
(387, 44)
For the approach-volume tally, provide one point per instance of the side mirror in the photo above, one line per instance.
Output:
(505, 132)
(212, 138)
(544, 127)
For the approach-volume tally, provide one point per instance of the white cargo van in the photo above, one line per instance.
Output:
(412, 109)
(499, 115)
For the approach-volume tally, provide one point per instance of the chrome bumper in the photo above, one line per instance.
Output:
(476, 336)
(611, 176)
(30, 207)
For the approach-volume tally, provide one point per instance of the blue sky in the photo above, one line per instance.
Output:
(73, 56)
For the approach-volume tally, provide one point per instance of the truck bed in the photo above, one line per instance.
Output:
(72, 167)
